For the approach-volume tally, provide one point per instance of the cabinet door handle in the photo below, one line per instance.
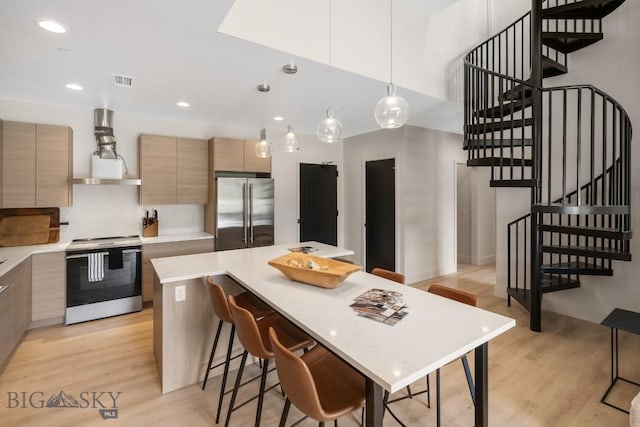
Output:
(4, 288)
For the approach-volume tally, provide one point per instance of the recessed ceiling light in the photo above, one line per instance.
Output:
(52, 26)
(182, 104)
(278, 118)
(73, 86)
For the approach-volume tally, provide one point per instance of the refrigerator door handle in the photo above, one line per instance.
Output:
(251, 213)
(244, 212)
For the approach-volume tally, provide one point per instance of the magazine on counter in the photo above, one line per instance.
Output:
(303, 249)
(381, 305)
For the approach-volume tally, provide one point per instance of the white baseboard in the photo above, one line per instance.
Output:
(489, 259)
(464, 259)
(418, 277)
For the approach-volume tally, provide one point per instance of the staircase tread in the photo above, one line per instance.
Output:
(567, 42)
(582, 209)
(552, 68)
(602, 252)
(491, 143)
(495, 161)
(512, 183)
(576, 267)
(507, 108)
(588, 231)
(499, 125)
(585, 9)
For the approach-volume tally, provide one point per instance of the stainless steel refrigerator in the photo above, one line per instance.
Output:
(244, 213)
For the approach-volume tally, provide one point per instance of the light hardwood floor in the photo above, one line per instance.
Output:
(554, 378)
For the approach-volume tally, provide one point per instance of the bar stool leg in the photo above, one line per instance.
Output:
(263, 381)
(285, 413)
(227, 362)
(428, 393)
(235, 388)
(467, 373)
(213, 351)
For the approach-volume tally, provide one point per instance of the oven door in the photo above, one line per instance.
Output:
(123, 280)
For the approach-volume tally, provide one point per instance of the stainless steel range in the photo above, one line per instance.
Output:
(103, 278)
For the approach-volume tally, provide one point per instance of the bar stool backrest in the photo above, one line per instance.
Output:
(296, 380)
(219, 301)
(248, 331)
(388, 274)
(454, 294)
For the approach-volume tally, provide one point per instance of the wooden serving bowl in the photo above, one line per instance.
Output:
(330, 277)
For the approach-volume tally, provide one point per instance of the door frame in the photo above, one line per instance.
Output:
(399, 240)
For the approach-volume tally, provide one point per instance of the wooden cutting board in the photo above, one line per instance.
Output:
(24, 230)
(53, 213)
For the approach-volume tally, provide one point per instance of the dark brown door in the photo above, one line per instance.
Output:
(319, 203)
(380, 215)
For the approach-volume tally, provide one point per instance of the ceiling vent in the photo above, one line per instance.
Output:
(122, 81)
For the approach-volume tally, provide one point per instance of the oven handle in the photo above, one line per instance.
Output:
(126, 251)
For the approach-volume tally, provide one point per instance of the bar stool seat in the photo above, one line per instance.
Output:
(318, 383)
(250, 302)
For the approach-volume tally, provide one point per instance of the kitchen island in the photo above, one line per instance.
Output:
(436, 332)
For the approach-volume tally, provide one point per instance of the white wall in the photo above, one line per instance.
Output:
(114, 210)
(425, 198)
(612, 65)
(427, 41)
(483, 217)
(463, 213)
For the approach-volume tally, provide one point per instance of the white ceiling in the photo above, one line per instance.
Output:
(174, 51)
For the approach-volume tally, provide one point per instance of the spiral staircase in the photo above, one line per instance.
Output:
(570, 145)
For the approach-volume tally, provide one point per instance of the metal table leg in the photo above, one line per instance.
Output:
(374, 405)
(482, 385)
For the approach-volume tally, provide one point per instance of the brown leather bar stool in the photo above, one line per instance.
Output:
(399, 278)
(388, 274)
(254, 336)
(318, 383)
(254, 305)
(465, 298)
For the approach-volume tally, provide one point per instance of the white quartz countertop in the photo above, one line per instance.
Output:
(436, 332)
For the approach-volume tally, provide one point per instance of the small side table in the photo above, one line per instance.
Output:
(628, 321)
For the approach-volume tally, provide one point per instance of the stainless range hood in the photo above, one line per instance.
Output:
(107, 165)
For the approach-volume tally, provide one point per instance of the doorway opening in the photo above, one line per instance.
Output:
(380, 214)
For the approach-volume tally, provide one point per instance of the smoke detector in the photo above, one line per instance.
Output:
(122, 80)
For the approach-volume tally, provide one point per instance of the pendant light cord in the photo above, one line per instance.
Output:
(391, 41)
(330, 58)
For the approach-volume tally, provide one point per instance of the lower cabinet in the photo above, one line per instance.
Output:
(162, 250)
(49, 283)
(15, 307)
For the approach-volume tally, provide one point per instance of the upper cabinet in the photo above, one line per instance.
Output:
(36, 165)
(237, 155)
(173, 170)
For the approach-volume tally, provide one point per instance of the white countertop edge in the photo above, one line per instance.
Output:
(14, 255)
(172, 238)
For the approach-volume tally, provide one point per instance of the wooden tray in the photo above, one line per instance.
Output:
(330, 277)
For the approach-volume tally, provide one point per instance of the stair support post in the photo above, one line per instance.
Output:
(535, 309)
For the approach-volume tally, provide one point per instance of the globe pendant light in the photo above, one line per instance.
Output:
(290, 142)
(263, 148)
(392, 111)
(330, 129)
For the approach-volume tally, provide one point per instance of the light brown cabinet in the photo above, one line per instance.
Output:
(162, 250)
(173, 170)
(15, 307)
(36, 165)
(237, 155)
(48, 293)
